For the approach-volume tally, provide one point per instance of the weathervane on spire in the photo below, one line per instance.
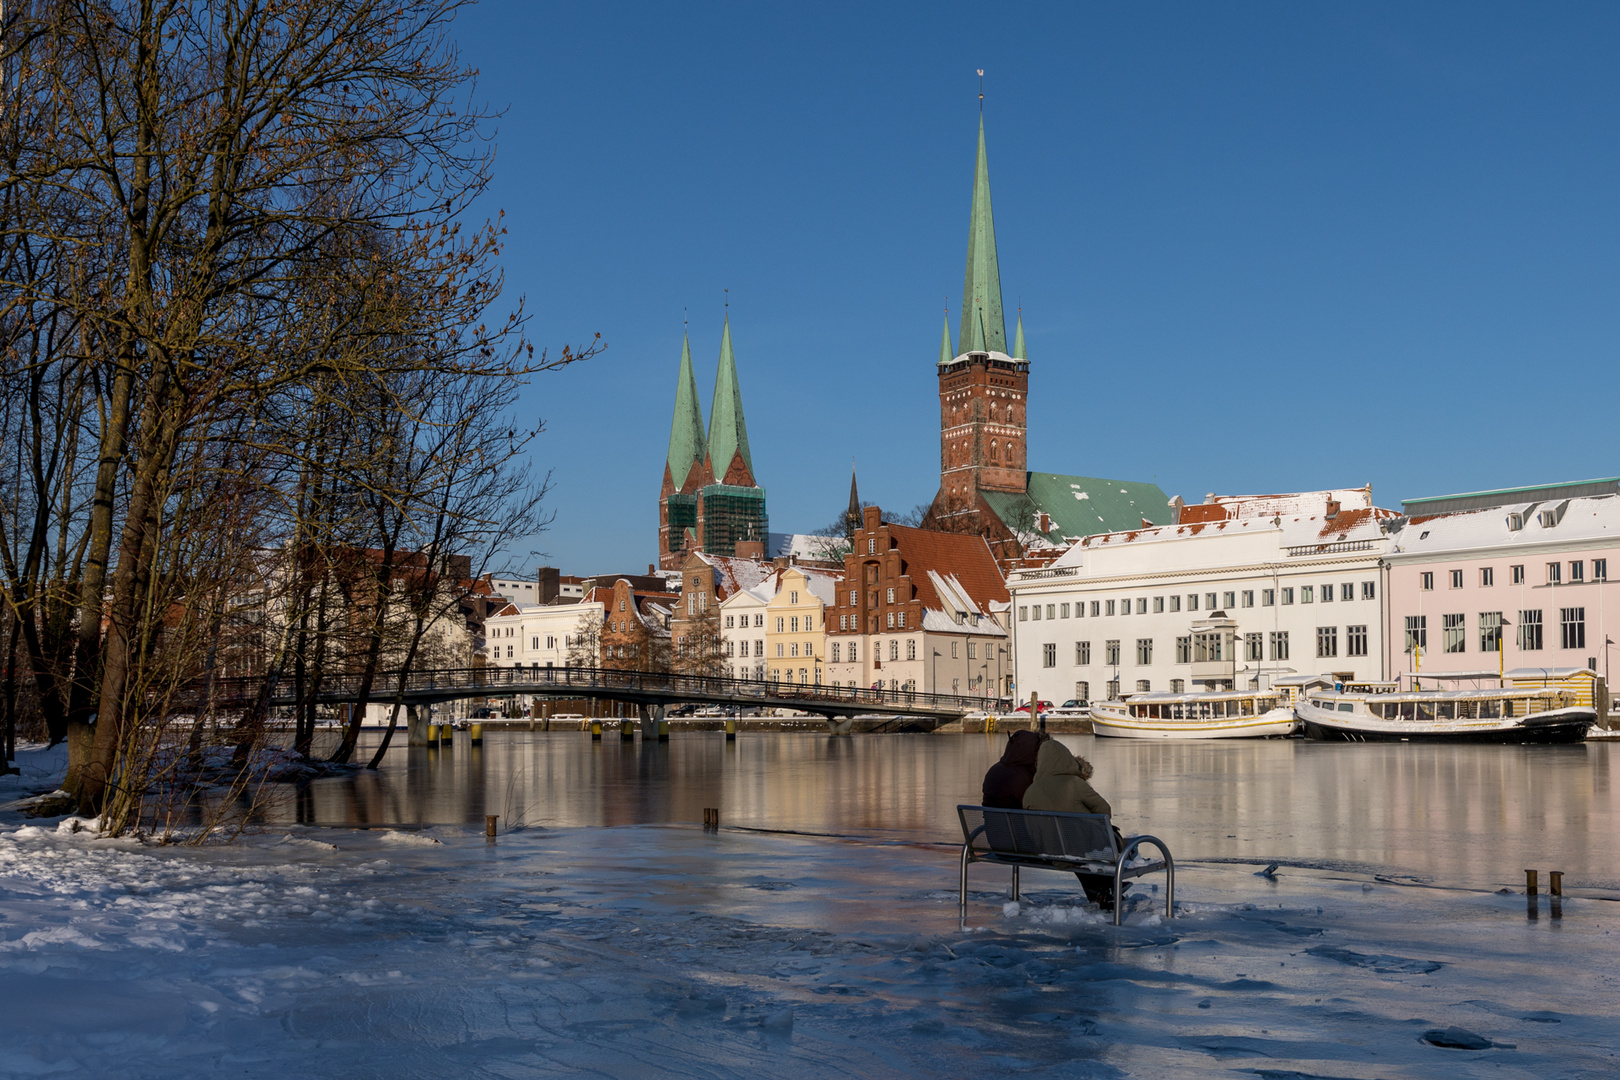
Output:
(981, 89)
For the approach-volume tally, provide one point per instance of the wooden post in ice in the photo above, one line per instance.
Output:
(627, 730)
(489, 824)
(731, 729)
(1555, 882)
(475, 734)
(1529, 883)
(596, 731)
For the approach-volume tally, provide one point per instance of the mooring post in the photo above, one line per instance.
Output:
(489, 824)
(475, 735)
(627, 730)
(1555, 882)
(731, 729)
(1529, 883)
(596, 731)
(447, 736)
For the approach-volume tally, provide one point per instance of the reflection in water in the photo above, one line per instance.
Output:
(1474, 815)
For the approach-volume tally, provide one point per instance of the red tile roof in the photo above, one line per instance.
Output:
(961, 554)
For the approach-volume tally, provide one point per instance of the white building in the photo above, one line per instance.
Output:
(742, 627)
(542, 636)
(1234, 593)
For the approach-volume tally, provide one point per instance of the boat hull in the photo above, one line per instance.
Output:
(1559, 726)
(1276, 724)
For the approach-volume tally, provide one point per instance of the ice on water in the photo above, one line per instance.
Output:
(660, 950)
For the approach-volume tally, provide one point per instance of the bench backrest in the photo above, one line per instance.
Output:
(1038, 832)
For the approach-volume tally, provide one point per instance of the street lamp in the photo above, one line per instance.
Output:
(935, 683)
(1501, 661)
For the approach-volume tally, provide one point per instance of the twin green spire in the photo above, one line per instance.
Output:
(728, 433)
(983, 327)
(687, 444)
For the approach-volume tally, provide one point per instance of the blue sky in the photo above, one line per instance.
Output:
(1258, 247)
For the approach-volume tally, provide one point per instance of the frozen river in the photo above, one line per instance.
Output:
(816, 935)
(1473, 816)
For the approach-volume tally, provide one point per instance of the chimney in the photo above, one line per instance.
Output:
(1332, 509)
(651, 570)
(1175, 509)
(872, 518)
(550, 586)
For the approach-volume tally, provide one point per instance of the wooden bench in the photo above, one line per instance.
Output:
(1048, 840)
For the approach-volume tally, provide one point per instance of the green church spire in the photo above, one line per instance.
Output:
(728, 434)
(983, 327)
(1018, 352)
(946, 352)
(686, 442)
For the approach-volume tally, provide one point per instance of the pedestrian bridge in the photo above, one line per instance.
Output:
(650, 688)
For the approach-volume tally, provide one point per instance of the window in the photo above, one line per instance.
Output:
(1426, 581)
(1229, 600)
(1048, 656)
(911, 648)
(1184, 650)
(1487, 577)
(1175, 603)
(1279, 644)
(1143, 686)
(1113, 689)
(1082, 653)
(1417, 632)
(1124, 605)
(954, 645)
(1577, 571)
(1065, 610)
(730, 646)
(1355, 641)
(1530, 630)
(1248, 598)
(1327, 593)
(1254, 646)
(891, 618)
(1307, 594)
(1110, 607)
(1553, 573)
(852, 598)
(778, 648)
(1600, 569)
(1369, 590)
(793, 648)
(1456, 579)
(1490, 631)
(1327, 641)
(1517, 574)
(759, 619)
(1141, 605)
(1515, 522)
(1347, 591)
(779, 621)
(899, 618)
(854, 653)
(1023, 613)
(1158, 605)
(793, 623)
(1082, 692)
(1111, 652)
(1454, 633)
(534, 643)
(1572, 627)
(1192, 601)
(1094, 607)
(1051, 611)
(1144, 651)
(871, 545)
(1207, 647)
(729, 622)
(1178, 686)
(1287, 597)
(1268, 597)
(894, 649)
(973, 651)
(836, 649)
(1210, 601)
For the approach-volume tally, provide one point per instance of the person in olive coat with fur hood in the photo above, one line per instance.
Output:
(1062, 784)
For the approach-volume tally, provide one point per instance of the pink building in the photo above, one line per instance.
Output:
(1505, 580)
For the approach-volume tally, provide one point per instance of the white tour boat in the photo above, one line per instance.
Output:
(1222, 714)
(1496, 716)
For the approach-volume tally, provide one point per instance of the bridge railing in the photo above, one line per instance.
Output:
(497, 681)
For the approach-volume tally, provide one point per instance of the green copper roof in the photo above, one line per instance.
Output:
(1018, 341)
(983, 328)
(1081, 505)
(686, 441)
(728, 434)
(946, 352)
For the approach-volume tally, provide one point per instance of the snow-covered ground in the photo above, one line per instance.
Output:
(665, 950)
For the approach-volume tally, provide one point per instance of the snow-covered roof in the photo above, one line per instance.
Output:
(955, 599)
(1519, 525)
(1301, 530)
(732, 574)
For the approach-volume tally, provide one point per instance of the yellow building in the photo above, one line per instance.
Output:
(795, 629)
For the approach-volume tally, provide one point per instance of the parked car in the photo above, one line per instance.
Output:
(1045, 705)
(1075, 703)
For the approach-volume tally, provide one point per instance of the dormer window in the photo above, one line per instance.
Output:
(1547, 519)
(1515, 522)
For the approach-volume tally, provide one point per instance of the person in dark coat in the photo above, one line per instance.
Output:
(1007, 780)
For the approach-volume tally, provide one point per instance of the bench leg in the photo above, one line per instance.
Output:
(1015, 883)
(961, 897)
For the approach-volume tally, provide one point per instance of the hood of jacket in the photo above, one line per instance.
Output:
(1055, 759)
(1022, 750)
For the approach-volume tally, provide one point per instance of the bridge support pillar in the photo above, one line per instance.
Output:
(649, 720)
(416, 726)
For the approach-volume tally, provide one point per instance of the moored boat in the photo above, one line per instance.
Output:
(1225, 714)
(1489, 716)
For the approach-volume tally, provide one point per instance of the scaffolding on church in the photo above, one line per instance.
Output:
(731, 514)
